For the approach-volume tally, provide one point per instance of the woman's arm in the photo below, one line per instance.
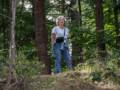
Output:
(53, 38)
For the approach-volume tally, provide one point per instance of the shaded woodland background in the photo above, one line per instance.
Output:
(25, 28)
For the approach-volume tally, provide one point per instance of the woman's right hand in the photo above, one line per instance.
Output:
(53, 38)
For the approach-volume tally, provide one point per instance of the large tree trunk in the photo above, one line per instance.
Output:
(77, 51)
(41, 34)
(100, 30)
(116, 23)
(12, 50)
(81, 34)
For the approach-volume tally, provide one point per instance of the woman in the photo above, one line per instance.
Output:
(59, 43)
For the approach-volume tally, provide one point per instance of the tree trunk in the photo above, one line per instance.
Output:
(81, 35)
(100, 30)
(12, 50)
(41, 34)
(116, 23)
(77, 51)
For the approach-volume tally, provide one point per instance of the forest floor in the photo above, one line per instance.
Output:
(71, 80)
(68, 81)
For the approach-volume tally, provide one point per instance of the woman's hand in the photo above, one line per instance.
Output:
(53, 38)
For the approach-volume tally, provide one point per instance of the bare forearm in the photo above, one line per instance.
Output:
(53, 39)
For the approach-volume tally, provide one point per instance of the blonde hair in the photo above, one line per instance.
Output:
(58, 18)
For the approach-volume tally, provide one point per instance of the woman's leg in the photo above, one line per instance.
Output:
(57, 53)
(67, 57)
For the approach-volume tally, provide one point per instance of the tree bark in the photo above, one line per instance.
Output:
(81, 35)
(100, 30)
(12, 49)
(77, 51)
(41, 34)
(116, 23)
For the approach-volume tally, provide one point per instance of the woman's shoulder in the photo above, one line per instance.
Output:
(55, 27)
(66, 28)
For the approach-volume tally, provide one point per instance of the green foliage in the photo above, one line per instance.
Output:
(96, 76)
(25, 35)
(27, 63)
(26, 67)
(110, 71)
(3, 68)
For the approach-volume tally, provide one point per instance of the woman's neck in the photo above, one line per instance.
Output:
(61, 26)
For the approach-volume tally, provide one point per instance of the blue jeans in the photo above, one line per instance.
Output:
(58, 53)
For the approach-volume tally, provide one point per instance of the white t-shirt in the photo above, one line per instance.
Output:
(60, 32)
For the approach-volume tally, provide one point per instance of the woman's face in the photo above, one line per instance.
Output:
(61, 22)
